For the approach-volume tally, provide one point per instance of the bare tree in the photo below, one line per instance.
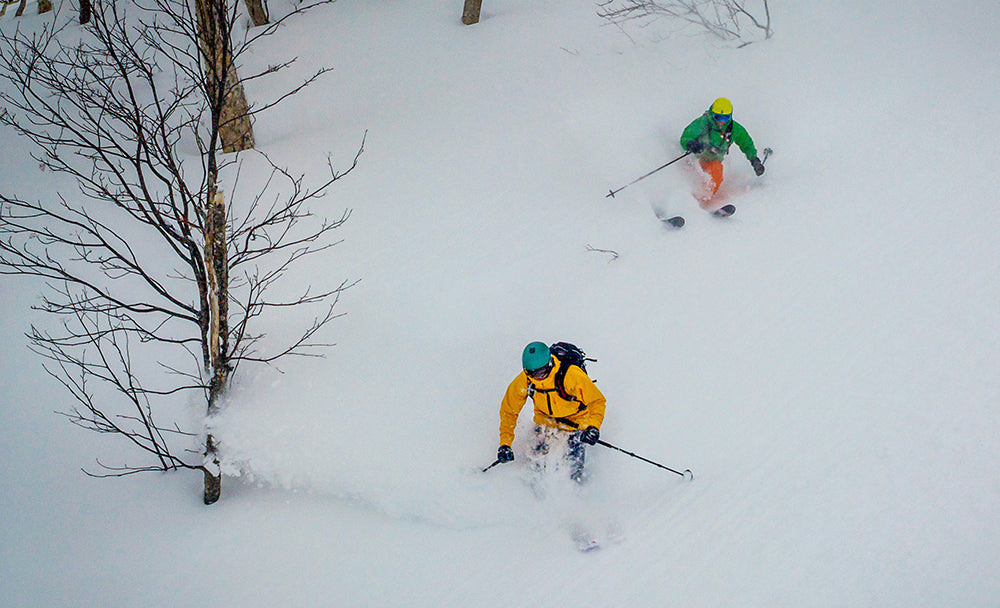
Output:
(144, 259)
(724, 19)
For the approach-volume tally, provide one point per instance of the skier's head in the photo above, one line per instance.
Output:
(536, 360)
(722, 111)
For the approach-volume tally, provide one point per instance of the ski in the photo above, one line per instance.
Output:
(674, 222)
(724, 211)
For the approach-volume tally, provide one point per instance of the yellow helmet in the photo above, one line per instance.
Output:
(722, 106)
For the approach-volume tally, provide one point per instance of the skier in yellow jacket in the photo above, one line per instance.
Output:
(575, 407)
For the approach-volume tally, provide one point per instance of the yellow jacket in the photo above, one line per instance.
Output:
(551, 409)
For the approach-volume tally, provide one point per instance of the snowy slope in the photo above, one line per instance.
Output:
(825, 361)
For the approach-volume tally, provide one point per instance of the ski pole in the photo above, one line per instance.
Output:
(495, 463)
(614, 192)
(687, 474)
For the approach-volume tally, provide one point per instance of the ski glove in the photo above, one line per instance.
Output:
(695, 147)
(590, 435)
(505, 454)
(758, 167)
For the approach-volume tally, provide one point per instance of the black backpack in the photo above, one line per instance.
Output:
(568, 354)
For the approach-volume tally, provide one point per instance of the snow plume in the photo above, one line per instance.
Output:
(348, 449)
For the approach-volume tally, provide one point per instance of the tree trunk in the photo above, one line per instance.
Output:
(217, 275)
(235, 127)
(258, 12)
(227, 99)
(213, 474)
(44, 6)
(470, 14)
(85, 11)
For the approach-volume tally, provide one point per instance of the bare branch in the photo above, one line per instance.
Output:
(720, 18)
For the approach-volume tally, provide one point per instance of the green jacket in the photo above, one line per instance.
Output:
(716, 141)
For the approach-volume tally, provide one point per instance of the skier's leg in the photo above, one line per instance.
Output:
(713, 179)
(575, 455)
(540, 445)
(539, 448)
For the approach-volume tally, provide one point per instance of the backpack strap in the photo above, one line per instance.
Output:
(560, 389)
(567, 422)
(560, 384)
(727, 133)
(560, 380)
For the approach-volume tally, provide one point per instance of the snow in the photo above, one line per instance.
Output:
(825, 361)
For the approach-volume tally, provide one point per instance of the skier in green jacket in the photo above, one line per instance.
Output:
(709, 137)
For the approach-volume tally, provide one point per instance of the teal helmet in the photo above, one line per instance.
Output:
(535, 356)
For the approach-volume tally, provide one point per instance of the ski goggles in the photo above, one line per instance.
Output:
(722, 117)
(540, 373)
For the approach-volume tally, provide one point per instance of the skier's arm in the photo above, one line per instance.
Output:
(578, 384)
(742, 139)
(510, 407)
(692, 132)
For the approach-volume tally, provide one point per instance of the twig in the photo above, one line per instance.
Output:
(614, 254)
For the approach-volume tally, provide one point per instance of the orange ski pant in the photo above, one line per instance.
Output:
(713, 178)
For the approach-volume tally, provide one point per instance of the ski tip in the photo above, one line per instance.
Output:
(724, 211)
(675, 222)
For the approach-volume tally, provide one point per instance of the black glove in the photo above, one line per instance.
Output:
(694, 146)
(758, 167)
(505, 454)
(590, 435)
